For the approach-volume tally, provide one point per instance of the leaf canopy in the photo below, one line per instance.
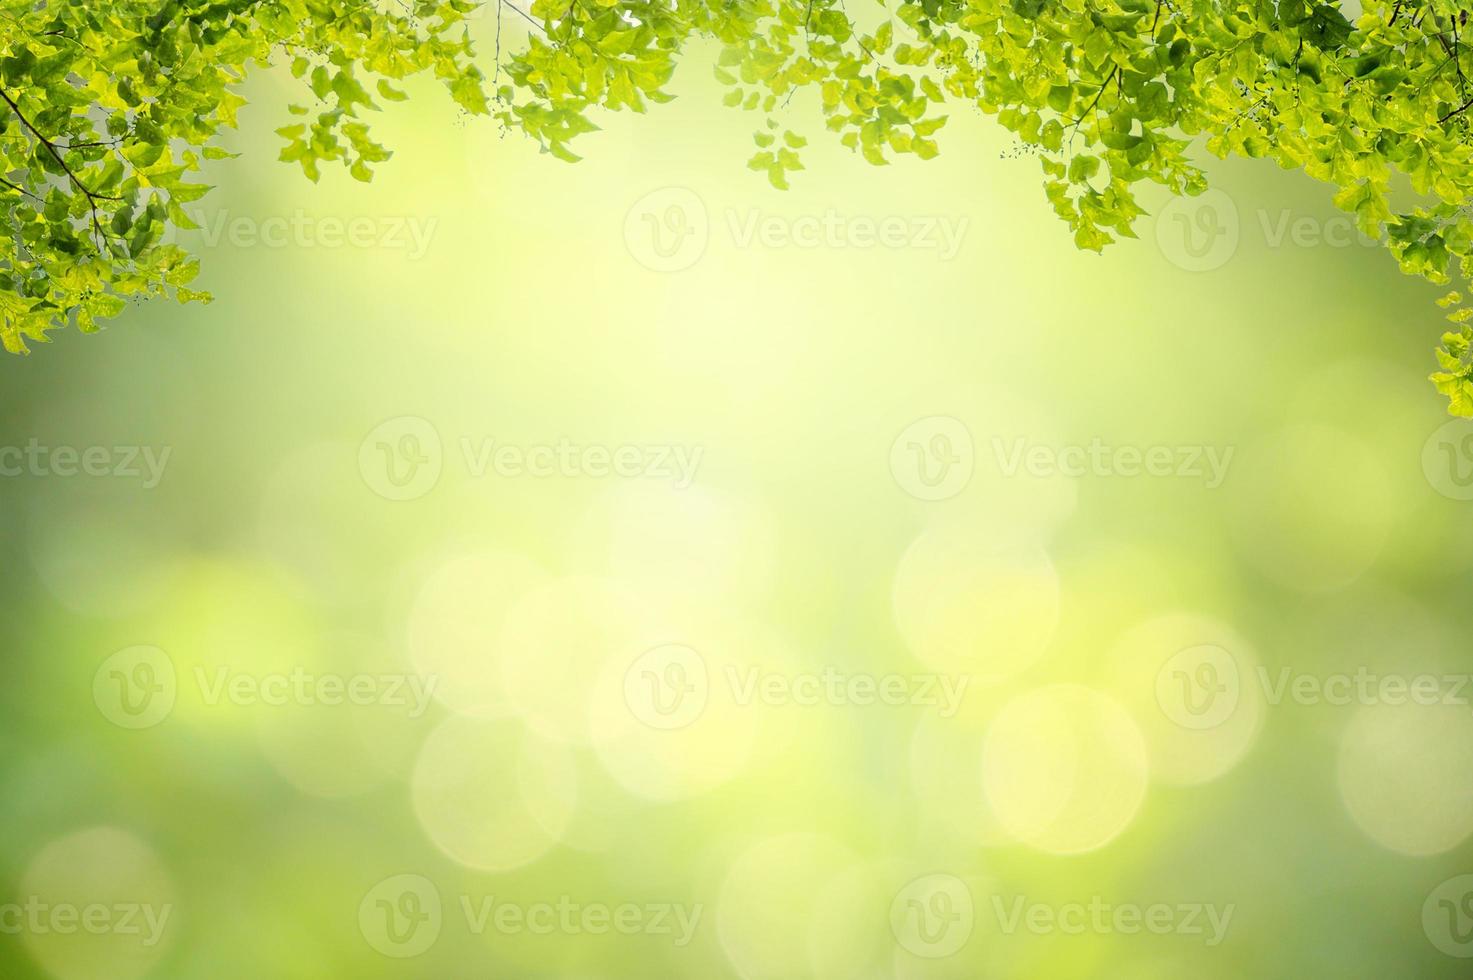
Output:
(108, 110)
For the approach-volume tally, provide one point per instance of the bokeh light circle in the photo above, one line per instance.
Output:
(363, 714)
(1191, 683)
(456, 622)
(1406, 775)
(770, 899)
(98, 904)
(554, 647)
(492, 796)
(668, 734)
(970, 602)
(1064, 768)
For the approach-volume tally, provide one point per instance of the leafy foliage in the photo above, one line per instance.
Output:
(1107, 93)
(110, 110)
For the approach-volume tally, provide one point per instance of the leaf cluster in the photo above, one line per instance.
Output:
(107, 111)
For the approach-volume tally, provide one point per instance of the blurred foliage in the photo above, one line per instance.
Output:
(267, 546)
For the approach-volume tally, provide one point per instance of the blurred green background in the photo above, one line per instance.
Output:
(874, 416)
